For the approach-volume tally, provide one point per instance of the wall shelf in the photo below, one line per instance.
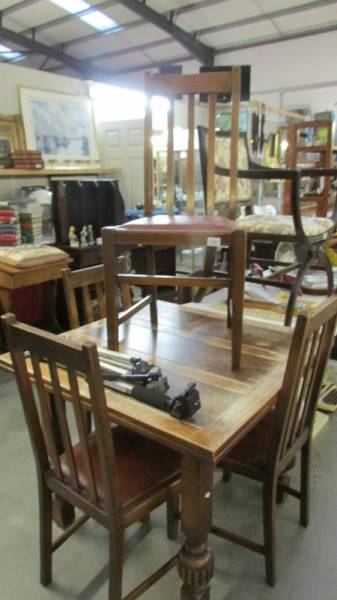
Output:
(59, 172)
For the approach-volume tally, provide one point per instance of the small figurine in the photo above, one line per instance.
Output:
(83, 235)
(90, 235)
(73, 239)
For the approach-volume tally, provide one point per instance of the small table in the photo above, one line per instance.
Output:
(13, 278)
(190, 347)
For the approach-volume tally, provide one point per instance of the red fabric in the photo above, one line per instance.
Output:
(27, 303)
(211, 225)
(253, 448)
(143, 466)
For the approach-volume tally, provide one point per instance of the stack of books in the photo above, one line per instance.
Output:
(10, 232)
(31, 224)
(24, 159)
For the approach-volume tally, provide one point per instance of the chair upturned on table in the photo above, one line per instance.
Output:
(182, 230)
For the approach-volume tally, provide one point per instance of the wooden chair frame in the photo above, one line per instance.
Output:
(83, 279)
(116, 237)
(210, 84)
(308, 249)
(55, 365)
(291, 429)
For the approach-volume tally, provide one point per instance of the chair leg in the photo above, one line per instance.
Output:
(226, 475)
(115, 566)
(172, 514)
(329, 272)
(151, 270)
(269, 497)
(294, 291)
(304, 501)
(281, 495)
(46, 519)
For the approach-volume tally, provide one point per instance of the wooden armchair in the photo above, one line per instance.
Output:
(308, 234)
(269, 450)
(111, 475)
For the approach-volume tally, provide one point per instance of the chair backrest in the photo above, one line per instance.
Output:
(173, 86)
(222, 159)
(90, 283)
(55, 365)
(308, 355)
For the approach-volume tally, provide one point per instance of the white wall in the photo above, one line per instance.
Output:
(12, 77)
(293, 73)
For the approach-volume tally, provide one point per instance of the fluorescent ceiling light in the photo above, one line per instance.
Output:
(95, 18)
(6, 52)
(99, 20)
(72, 6)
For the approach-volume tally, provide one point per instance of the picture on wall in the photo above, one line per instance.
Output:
(11, 135)
(61, 126)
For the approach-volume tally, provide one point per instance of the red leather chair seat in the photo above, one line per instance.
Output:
(143, 466)
(180, 224)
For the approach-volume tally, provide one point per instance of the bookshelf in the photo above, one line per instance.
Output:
(310, 145)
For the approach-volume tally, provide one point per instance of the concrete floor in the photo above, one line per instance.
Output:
(307, 559)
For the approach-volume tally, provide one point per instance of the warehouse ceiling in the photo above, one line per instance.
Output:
(98, 40)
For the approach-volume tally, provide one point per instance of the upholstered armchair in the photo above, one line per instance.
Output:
(308, 235)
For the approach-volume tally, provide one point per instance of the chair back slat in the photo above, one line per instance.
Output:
(83, 438)
(89, 282)
(87, 305)
(148, 155)
(233, 182)
(208, 86)
(60, 409)
(210, 154)
(190, 156)
(308, 355)
(45, 415)
(55, 365)
(170, 159)
(100, 299)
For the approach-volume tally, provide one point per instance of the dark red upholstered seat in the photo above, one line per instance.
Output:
(181, 223)
(253, 448)
(143, 466)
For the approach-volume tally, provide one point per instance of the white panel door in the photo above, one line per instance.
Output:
(122, 145)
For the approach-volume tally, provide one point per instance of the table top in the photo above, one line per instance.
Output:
(196, 348)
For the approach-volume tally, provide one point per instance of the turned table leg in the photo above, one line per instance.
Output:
(195, 562)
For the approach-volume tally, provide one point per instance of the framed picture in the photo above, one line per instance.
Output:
(11, 134)
(61, 126)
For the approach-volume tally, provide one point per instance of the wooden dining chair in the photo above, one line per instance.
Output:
(90, 283)
(269, 450)
(112, 475)
(182, 230)
(308, 235)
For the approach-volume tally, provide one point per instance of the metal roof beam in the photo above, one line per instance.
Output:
(276, 14)
(82, 67)
(285, 37)
(204, 53)
(227, 49)
(212, 29)
(107, 4)
(15, 7)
